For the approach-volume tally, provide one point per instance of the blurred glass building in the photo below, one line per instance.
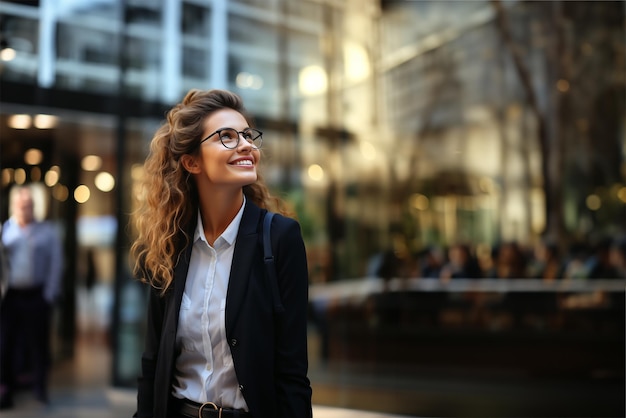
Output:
(392, 127)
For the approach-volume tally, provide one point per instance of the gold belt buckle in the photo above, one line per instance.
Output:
(215, 407)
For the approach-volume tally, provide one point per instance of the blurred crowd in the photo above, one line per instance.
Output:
(604, 258)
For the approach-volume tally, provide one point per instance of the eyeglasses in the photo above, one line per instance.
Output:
(230, 137)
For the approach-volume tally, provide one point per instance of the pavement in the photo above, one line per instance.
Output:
(80, 387)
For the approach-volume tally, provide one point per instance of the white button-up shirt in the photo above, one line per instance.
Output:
(204, 369)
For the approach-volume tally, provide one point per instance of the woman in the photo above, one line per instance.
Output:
(214, 346)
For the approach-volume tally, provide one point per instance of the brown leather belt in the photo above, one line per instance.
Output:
(206, 410)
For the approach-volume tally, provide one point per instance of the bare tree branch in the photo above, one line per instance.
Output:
(520, 66)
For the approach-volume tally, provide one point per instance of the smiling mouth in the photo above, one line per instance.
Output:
(246, 163)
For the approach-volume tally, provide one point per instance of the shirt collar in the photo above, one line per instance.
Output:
(230, 233)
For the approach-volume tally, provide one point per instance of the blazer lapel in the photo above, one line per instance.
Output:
(243, 255)
(180, 275)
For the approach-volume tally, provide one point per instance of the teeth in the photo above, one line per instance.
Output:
(244, 162)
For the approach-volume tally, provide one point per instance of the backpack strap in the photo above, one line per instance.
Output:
(270, 267)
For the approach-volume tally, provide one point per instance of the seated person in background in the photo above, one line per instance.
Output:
(509, 262)
(461, 264)
(546, 263)
(431, 261)
(600, 266)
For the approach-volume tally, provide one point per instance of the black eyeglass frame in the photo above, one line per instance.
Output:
(239, 135)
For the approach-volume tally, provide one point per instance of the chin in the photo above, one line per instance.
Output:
(249, 180)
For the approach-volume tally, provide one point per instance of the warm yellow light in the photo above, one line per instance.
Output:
(562, 85)
(136, 172)
(486, 185)
(91, 163)
(33, 156)
(621, 194)
(19, 121)
(105, 181)
(593, 202)
(60, 192)
(316, 172)
(419, 201)
(82, 193)
(7, 54)
(52, 176)
(356, 62)
(19, 176)
(312, 80)
(249, 81)
(7, 176)
(368, 150)
(45, 121)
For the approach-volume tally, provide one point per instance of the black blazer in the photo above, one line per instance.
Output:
(269, 350)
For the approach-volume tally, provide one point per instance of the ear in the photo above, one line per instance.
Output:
(190, 163)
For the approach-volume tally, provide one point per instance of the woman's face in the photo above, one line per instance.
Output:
(219, 166)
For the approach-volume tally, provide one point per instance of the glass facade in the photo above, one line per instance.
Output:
(398, 130)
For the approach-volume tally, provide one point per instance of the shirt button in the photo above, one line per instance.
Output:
(234, 342)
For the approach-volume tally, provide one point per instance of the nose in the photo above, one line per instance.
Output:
(244, 144)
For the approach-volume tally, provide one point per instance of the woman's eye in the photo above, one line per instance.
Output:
(227, 136)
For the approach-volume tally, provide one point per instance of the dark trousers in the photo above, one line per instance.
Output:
(25, 320)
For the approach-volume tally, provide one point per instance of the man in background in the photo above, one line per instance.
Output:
(34, 254)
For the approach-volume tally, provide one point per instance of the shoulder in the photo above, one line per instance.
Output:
(281, 223)
(285, 233)
(9, 223)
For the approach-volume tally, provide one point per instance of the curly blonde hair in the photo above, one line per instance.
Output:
(170, 198)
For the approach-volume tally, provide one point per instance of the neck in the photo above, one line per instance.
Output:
(218, 209)
(22, 222)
